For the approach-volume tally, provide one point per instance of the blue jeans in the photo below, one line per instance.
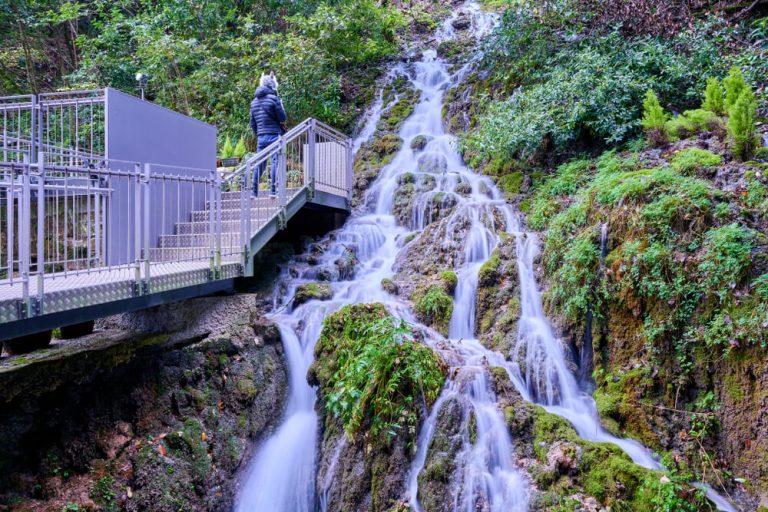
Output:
(262, 142)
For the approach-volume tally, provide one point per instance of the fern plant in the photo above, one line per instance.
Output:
(741, 124)
(714, 98)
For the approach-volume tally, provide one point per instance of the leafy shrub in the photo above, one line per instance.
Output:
(714, 97)
(355, 32)
(742, 124)
(373, 375)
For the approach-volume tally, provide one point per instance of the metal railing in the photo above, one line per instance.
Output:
(309, 157)
(69, 126)
(72, 219)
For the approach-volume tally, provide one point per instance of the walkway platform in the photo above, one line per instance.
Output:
(182, 234)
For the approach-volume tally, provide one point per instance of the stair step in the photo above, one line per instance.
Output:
(262, 213)
(194, 241)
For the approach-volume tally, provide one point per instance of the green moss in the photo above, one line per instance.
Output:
(312, 291)
(389, 286)
(510, 183)
(489, 271)
(449, 280)
(690, 160)
(373, 375)
(434, 307)
(692, 122)
(393, 118)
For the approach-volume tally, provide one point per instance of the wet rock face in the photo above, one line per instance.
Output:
(366, 479)
(498, 298)
(437, 481)
(143, 421)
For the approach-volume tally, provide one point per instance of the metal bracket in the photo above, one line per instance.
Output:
(35, 306)
(136, 289)
(310, 193)
(21, 309)
(282, 220)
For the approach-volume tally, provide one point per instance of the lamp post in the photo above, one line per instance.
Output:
(141, 80)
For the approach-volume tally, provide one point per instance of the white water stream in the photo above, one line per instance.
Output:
(282, 475)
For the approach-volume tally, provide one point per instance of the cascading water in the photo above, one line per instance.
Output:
(281, 476)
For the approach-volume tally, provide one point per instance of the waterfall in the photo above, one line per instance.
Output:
(281, 477)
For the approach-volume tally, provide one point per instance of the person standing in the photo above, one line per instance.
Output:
(268, 124)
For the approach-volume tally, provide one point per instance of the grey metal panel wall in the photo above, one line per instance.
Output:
(141, 131)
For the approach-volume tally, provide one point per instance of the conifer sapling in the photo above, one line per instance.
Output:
(734, 83)
(654, 118)
(714, 99)
(741, 124)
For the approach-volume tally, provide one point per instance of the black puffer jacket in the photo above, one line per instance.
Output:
(267, 112)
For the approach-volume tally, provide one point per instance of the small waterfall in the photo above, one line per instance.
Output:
(282, 475)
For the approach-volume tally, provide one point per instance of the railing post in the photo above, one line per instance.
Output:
(350, 170)
(24, 236)
(40, 230)
(211, 225)
(10, 204)
(311, 172)
(32, 128)
(146, 193)
(281, 172)
(217, 191)
(245, 214)
(138, 288)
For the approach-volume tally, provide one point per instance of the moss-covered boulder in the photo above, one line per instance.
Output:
(433, 307)
(312, 291)
(373, 379)
(420, 142)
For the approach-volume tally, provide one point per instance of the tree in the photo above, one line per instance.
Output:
(239, 151)
(734, 83)
(226, 150)
(741, 124)
(714, 99)
(654, 118)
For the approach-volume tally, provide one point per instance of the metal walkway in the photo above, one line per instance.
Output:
(82, 236)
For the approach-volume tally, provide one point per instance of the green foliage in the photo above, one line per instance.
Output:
(742, 124)
(374, 376)
(434, 307)
(450, 280)
(734, 85)
(103, 491)
(355, 32)
(586, 91)
(654, 116)
(692, 122)
(690, 160)
(239, 151)
(714, 97)
(227, 149)
(726, 257)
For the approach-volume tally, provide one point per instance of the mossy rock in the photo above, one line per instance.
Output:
(420, 142)
(312, 291)
(390, 286)
(434, 307)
